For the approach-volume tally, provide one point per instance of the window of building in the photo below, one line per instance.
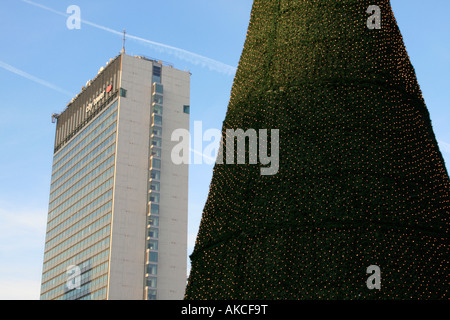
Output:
(153, 197)
(157, 109)
(123, 92)
(151, 294)
(157, 98)
(187, 109)
(152, 268)
(156, 152)
(154, 233)
(158, 88)
(155, 174)
(157, 120)
(157, 74)
(157, 131)
(155, 186)
(153, 221)
(153, 244)
(154, 208)
(157, 142)
(151, 282)
(156, 163)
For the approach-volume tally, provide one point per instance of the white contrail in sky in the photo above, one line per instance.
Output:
(182, 54)
(33, 78)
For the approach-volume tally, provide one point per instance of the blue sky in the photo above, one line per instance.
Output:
(43, 65)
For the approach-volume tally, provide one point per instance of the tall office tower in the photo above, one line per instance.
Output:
(117, 221)
(359, 208)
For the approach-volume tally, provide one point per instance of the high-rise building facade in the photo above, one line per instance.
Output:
(117, 220)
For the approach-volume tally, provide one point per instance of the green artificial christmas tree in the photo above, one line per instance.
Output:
(361, 181)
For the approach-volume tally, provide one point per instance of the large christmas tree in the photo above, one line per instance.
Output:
(361, 180)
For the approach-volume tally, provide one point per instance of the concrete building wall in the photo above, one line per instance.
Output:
(127, 263)
(172, 266)
(129, 219)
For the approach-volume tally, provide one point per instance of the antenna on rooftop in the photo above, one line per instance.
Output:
(123, 44)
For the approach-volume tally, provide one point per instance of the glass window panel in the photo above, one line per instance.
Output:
(158, 88)
(156, 141)
(156, 70)
(157, 74)
(157, 98)
(154, 186)
(157, 109)
(156, 152)
(153, 197)
(156, 163)
(154, 208)
(155, 174)
(157, 120)
(153, 221)
(153, 232)
(153, 244)
(153, 256)
(157, 131)
(152, 268)
(156, 78)
(151, 295)
(151, 282)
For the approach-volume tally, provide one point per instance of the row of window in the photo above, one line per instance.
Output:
(86, 230)
(107, 196)
(102, 147)
(84, 277)
(79, 171)
(89, 151)
(80, 177)
(78, 120)
(96, 295)
(154, 189)
(100, 234)
(85, 289)
(74, 204)
(87, 136)
(91, 125)
(100, 211)
(80, 189)
(80, 201)
(62, 268)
